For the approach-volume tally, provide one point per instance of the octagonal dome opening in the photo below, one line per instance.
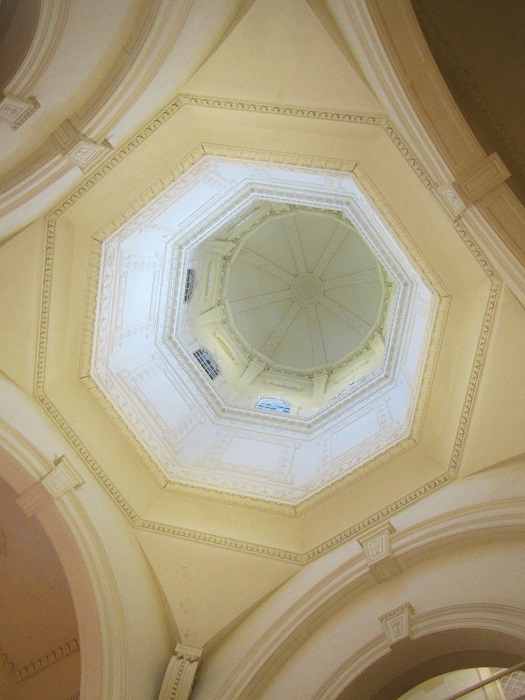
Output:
(301, 307)
(260, 330)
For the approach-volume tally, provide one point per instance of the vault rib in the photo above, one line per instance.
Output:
(290, 226)
(319, 351)
(355, 278)
(257, 260)
(330, 250)
(275, 338)
(351, 319)
(259, 300)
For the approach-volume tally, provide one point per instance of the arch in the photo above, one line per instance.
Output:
(42, 25)
(388, 41)
(323, 627)
(18, 26)
(76, 544)
(124, 647)
(464, 636)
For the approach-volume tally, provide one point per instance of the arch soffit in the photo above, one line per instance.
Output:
(316, 593)
(390, 45)
(97, 606)
(443, 640)
(153, 36)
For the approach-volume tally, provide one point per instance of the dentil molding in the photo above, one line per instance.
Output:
(180, 674)
(56, 654)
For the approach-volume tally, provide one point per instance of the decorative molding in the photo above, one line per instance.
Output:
(377, 547)
(308, 496)
(281, 630)
(505, 619)
(180, 674)
(182, 166)
(88, 570)
(48, 659)
(79, 149)
(397, 624)
(14, 111)
(217, 540)
(48, 174)
(61, 479)
(486, 328)
(481, 178)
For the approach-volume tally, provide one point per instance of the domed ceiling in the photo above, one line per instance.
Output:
(303, 290)
(260, 329)
(301, 304)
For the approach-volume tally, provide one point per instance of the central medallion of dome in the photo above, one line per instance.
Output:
(307, 289)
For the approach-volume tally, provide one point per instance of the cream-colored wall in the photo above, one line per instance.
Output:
(499, 416)
(205, 549)
(450, 557)
(21, 269)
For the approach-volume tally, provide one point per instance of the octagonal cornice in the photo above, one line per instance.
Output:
(156, 399)
(149, 195)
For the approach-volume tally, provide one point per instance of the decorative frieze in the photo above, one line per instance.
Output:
(180, 674)
(80, 149)
(377, 547)
(396, 624)
(15, 110)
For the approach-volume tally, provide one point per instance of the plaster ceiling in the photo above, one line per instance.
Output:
(342, 342)
(303, 290)
(166, 418)
(279, 102)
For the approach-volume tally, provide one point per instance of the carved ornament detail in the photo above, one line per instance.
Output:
(377, 547)
(180, 674)
(14, 111)
(396, 624)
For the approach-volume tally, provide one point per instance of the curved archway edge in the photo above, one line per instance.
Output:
(96, 548)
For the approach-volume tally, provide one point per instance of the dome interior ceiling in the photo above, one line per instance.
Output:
(304, 290)
(264, 319)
